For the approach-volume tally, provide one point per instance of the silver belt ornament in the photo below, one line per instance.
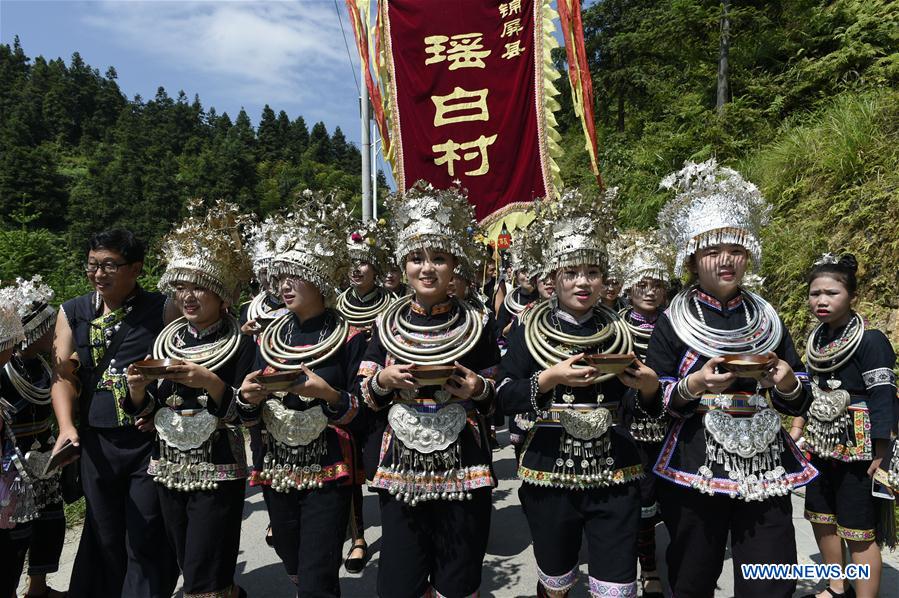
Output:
(185, 449)
(584, 459)
(427, 432)
(426, 448)
(828, 418)
(749, 449)
(295, 445)
(292, 427)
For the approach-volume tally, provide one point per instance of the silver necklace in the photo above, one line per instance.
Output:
(824, 360)
(30, 392)
(212, 356)
(439, 344)
(761, 334)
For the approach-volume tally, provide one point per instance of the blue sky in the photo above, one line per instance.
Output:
(288, 54)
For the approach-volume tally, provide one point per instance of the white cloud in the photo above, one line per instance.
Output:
(268, 51)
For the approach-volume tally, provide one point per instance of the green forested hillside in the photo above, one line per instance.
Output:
(76, 154)
(812, 117)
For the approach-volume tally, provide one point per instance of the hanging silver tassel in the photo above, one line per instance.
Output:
(289, 468)
(421, 473)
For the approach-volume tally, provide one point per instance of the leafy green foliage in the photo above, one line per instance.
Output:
(77, 156)
(812, 120)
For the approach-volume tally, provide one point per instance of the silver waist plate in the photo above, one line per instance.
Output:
(586, 425)
(291, 427)
(427, 432)
(743, 436)
(184, 432)
(827, 406)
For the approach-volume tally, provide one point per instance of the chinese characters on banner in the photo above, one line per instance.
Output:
(468, 98)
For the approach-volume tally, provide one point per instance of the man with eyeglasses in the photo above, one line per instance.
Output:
(123, 546)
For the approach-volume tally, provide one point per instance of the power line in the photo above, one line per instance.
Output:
(347, 45)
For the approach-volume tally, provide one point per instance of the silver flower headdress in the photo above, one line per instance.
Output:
(367, 243)
(826, 259)
(427, 218)
(573, 231)
(313, 244)
(31, 299)
(261, 238)
(11, 331)
(207, 250)
(713, 205)
(635, 255)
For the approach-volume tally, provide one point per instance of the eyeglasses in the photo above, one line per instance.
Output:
(107, 267)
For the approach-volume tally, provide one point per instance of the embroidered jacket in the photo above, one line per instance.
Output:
(339, 371)
(476, 458)
(227, 445)
(684, 450)
(869, 378)
(541, 449)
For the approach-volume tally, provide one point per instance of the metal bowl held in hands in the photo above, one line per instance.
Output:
(610, 363)
(747, 365)
(277, 381)
(155, 368)
(432, 375)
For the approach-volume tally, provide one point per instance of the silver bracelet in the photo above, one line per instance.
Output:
(793, 393)
(379, 390)
(535, 392)
(484, 393)
(684, 391)
(240, 403)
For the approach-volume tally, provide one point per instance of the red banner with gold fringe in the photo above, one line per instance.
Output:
(470, 97)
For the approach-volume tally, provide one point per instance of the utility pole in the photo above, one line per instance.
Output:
(366, 152)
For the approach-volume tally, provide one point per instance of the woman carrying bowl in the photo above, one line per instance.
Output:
(199, 464)
(429, 365)
(727, 464)
(579, 464)
(298, 395)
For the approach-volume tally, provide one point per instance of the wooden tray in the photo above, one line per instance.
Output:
(747, 365)
(432, 375)
(156, 368)
(610, 363)
(279, 380)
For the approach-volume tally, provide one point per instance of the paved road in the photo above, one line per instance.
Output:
(509, 566)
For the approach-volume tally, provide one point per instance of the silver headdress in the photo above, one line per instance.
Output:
(427, 218)
(714, 205)
(207, 250)
(471, 265)
(312, 246)
(32, 301)
(367, 243)
(261, 237)
(635, 255)
(826, 259)
(11, 331)
(573, 231)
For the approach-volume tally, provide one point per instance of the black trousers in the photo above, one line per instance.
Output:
(357, 524)
(438, 543)
(123, 549)
(204, 529)
(699, 524)
(47, 537)
(608, 517)
(13, 546)
(308, 529)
